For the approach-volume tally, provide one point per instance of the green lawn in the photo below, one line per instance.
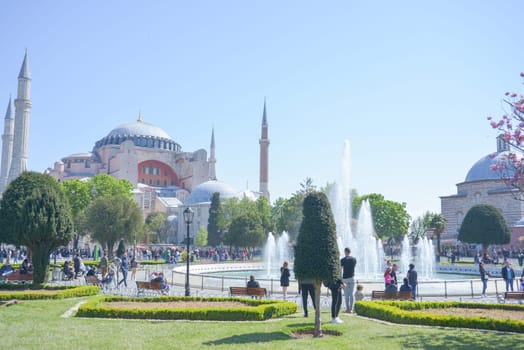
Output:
(39, 325)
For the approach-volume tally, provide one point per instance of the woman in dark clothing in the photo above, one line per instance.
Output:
(284, 278)
(336, 299)
(484, 278)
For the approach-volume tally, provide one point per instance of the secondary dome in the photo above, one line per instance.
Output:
(204, 192)
(482, 170)
(139, 128)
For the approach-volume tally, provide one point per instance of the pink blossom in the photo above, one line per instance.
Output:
(506, 94)
(513, 95)
(522, 74)
(493, 125)
(489, 118)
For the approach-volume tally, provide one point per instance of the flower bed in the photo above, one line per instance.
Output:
(420, 313)
(216, 309)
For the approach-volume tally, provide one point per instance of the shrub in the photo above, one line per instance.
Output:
(255, 310)
(407, 312)
(25, 292)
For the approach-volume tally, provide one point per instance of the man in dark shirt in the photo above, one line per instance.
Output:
(252, 283)
(348, 264)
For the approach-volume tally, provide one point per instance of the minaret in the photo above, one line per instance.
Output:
(7, 145)
(23, 107)
(264, 156)
(212, 159)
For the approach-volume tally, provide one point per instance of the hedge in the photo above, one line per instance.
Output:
(255, 310)
(26, 293)
(408, 313)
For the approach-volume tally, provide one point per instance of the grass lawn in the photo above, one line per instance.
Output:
(38, 325)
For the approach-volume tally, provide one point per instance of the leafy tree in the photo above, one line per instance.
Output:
(107, 185)
(156, 225)
(306, 187)
(420, 226)
(316, 250)
(216, 221)
(511, 167)
(112, 218)
(245, 231)
(35, 213)
(264, 211)
(390, 218)
(484, 224)
(201, 237)
(438, 225)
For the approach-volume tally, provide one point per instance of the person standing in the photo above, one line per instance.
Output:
(284, 278)
(348, 264)
(307, 287)
(508, 274)
(123, 268)
(484, 278)
(134, 267)
(412, 278)
(336, 299)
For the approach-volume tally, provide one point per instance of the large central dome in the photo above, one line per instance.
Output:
(139, 128)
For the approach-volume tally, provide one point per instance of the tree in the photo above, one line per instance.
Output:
(390, 218)
(484, 224)
(215, 221)
(156, 225)
(316, 250)
(201, 237)
(121, 248)
(287, 215)
(511, 165)
(112, 218)
(264, 211)
(245, 231)
(420, 226)
(35, 213)
(438, 225)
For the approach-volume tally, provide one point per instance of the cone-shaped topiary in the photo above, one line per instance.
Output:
(316, 251)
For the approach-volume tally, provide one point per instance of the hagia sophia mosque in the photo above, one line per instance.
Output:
(168, 179)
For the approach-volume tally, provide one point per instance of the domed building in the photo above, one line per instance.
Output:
(141, 153)
(483, 185)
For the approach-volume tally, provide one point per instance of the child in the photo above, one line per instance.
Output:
(358, 294)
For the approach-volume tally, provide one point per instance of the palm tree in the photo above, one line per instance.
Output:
(438, 225)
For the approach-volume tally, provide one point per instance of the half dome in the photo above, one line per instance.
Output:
(204, 192)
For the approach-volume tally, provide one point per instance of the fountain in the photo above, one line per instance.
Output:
(367, 247)
(276, 251)
(405, 256)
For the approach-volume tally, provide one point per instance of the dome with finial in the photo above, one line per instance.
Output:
(141, 133)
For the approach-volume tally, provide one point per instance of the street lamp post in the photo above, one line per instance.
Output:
(188, 218)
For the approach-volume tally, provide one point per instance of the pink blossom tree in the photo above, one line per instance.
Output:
(510, 165)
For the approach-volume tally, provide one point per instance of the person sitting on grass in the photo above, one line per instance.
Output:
(358, 294)
(405, 287)
(252, 283)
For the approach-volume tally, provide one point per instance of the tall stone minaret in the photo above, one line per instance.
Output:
(23, 107)
(212, 159)
(264, 156)
(7, 145)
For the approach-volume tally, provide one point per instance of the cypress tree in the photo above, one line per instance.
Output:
(214, 233)
(316, 251)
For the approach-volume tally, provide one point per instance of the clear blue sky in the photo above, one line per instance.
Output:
(409, 83)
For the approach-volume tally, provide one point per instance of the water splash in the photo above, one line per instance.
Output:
(341, 203)
(269, 252)
(425, 258)
(405, 256)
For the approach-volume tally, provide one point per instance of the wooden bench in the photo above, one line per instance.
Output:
(382, 295)
(143, 287)
(252, 292)
(93, 281)
(513, 295)
(18, 277)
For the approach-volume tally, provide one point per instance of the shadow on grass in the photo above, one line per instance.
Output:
(251, 338)
(460, 339)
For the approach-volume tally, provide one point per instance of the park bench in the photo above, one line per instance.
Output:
(18, 277)
(382, 295)
(252, 292)
(143, 287)
(93, 281)
(513, 295)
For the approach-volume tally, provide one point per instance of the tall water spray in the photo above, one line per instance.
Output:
(341, 202)
(283, 248)
(368, 250)
(269, 252)
(405, 256)
(425, 258)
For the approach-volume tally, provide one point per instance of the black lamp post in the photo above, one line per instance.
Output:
(188, 218)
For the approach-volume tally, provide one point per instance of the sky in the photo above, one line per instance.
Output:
(408, 83)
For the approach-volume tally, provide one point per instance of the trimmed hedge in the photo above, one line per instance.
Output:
(26, 293)
(408, 313)
(255, 310)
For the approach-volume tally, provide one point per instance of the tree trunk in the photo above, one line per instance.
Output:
(485, 249)
(40, 265)
(438, 246)
(318, 327)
